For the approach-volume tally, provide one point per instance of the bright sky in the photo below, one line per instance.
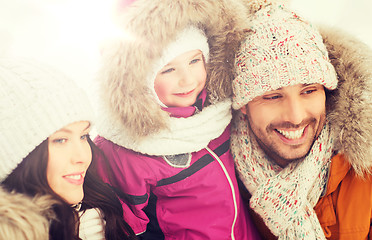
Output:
(65, 33)
(353, 16)
(68, 33)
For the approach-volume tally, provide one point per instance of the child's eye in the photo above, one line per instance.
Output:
(84, 137)
(169, 70)
(195, 60)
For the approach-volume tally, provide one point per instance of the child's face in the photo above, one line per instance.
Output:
(179, 83)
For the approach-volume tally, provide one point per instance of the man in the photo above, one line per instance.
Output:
(301, 143)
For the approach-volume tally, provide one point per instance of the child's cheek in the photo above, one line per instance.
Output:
(163, 90)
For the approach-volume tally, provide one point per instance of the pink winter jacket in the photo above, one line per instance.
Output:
(197, 201)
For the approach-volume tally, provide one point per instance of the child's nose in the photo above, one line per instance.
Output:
(186, 79)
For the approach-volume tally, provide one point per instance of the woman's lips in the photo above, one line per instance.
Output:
(75, 178)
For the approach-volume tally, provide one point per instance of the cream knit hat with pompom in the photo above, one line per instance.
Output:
(281, 49)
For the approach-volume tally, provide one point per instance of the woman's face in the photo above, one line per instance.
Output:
(69, 158)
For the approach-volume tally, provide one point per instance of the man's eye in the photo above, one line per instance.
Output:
(309, 91)
(271, 97)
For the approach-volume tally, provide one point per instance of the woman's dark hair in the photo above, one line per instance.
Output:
(30, 178)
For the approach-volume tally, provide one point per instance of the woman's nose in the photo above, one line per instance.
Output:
(81, 152)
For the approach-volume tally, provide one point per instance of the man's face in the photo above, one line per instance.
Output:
(287, 121)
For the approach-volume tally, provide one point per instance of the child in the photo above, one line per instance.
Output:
(46, 150)
(174, 163)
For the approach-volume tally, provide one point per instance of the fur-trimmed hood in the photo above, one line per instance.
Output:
(149, 26)
(23, 217)
(350, 105)
(152, 25)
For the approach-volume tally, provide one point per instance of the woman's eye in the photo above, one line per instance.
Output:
(84, 137)
(60, 140)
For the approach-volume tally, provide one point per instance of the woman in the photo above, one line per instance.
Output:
(46, 150)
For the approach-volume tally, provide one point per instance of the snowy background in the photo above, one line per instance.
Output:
(68, 33)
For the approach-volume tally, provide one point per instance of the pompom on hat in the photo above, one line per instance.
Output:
(191, 38)
(281, 49)
(35, 101)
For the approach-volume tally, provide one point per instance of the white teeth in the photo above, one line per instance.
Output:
(292, 134)
(184, 93)
(75, 177)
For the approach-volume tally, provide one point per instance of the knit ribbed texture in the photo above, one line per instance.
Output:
(35, 101)
(282, 50)
(91, 225)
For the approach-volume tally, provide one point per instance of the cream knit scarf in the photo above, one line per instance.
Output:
(284, 198)
(184, 135)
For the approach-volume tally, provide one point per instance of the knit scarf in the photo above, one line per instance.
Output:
(283, 197)
(184, 135)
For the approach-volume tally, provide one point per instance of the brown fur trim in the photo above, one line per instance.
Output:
(23, 217)
(152, 25)
(225, 39)
(234, 23)
(255, 5)
(351, 103)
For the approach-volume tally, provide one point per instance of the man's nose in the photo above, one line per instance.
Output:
(294, 111)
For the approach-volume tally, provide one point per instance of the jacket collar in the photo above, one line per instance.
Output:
(185, 112)
(338, 170)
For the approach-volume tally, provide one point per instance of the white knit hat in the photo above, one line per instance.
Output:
(191, 38)
(35, 102)
(281, 50)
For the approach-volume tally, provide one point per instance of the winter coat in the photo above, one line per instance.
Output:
(345, 211)
(180, 196)
(22, 217)
(196, 199)
(199, 200)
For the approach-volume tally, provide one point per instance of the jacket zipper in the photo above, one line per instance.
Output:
(231, 187)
